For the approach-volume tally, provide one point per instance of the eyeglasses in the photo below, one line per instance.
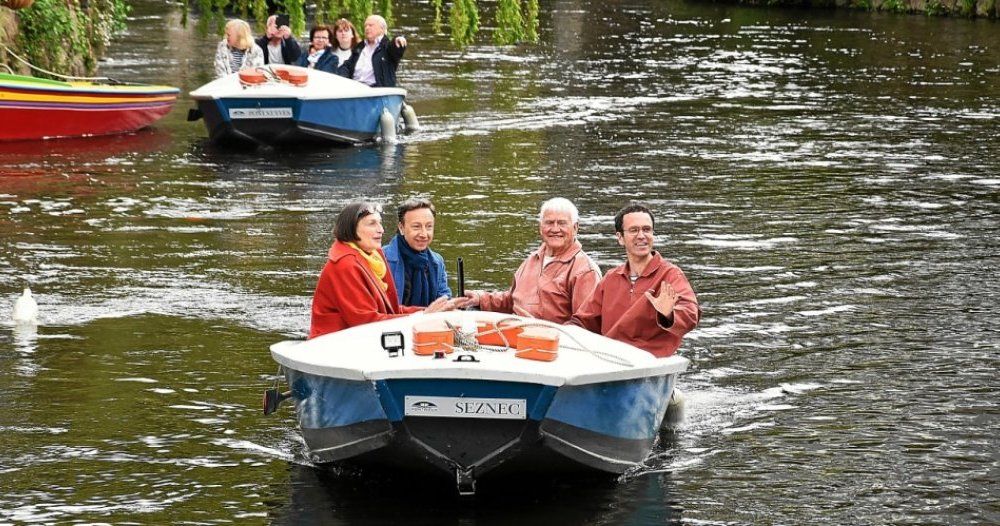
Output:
(320, 38)
(634, 231)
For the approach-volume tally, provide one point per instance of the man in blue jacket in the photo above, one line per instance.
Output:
(376, 58)
(417, 271)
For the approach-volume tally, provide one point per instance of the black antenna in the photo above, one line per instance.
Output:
(461, 279)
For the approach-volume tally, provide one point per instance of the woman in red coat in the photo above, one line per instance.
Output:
(355, 286)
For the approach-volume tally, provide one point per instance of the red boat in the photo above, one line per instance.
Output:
(34, 108)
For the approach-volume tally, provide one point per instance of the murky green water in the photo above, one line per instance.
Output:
(827, 180)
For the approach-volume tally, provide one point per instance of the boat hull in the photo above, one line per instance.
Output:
(605, 427)
(289, 122)
(34, 109)
(480, 412)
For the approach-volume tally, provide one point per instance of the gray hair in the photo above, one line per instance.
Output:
(381, 21)
(560, 204)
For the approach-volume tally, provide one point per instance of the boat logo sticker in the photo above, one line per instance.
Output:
(260, 113)
(462, 407)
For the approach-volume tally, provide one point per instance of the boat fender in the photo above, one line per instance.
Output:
(674, 415)
(538, 343)
(410, 118)
(388, 126)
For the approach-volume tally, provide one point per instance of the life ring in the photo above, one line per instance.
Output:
(293, 75)
(432, 336)
(252, 77)
(538, 343)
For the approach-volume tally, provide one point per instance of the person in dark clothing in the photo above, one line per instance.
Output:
(377, 57)
(320, 54)
(278, 44)
(418, 271)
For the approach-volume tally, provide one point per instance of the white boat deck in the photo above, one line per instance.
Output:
(321, 85)
(357, 354)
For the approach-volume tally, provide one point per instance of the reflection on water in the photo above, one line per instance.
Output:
(322, 496)
(827, 181)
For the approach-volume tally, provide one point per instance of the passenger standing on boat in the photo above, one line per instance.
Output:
(417, 270)
(355, 286)
(647, 302)
(320, 54)
(376, 58)
(554, 280)
(347, 40)
(237, 51)
(279, 46)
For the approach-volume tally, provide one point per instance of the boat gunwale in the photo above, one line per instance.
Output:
(321, 86)
(34, 84)
(665, 366)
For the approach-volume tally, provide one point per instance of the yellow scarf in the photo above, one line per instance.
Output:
(375, 262)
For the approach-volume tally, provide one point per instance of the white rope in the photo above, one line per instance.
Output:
(517, 322)
(54, 74)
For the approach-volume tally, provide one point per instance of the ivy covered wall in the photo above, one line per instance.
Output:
(62, 36)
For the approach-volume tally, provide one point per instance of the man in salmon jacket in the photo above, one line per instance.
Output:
(555, 279)
(647, 302)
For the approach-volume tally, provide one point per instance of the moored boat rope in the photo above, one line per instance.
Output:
(54, 74)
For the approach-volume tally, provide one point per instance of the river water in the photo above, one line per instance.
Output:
(828, 181)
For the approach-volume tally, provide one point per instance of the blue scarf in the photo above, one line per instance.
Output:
(420, 271)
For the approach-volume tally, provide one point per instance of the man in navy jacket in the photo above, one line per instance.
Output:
(376, 58)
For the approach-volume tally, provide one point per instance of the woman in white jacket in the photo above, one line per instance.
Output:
(237, 51)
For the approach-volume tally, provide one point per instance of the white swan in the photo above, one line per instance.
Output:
(26, 309)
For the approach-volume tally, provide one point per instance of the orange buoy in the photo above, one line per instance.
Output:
(293, 75)
(281, 72)
(432, 336)
(503, 334)
(249, 77)
(538, 343)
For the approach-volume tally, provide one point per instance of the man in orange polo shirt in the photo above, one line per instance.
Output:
(555, 279)
(647, 302)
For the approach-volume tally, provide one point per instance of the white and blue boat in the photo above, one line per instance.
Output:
(320, 108)
(479, 411)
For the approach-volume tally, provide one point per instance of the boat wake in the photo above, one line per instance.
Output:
(538, 114)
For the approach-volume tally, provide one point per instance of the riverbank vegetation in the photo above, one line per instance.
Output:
(515, 20)
(62, 36)
(961, 8)
(68, 36)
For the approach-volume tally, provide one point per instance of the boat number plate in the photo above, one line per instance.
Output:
(260, 113)
(462, 407)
